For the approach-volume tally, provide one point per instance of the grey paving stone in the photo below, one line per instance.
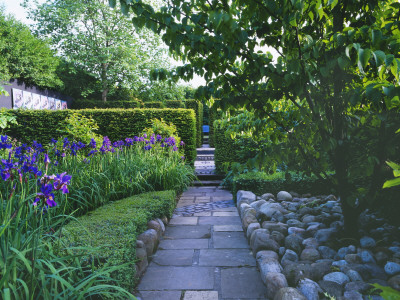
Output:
(226, 258)
(177, 278)
(203, 214)
(219, 220)
(225, 214)
(230, 240)
(183, 221)
(188, 232)
(201, 295)
(228, 228)
(184, 244)
(173, 257)
(161, 295)
(242, 283)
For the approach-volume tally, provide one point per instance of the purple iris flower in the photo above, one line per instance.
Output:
(46, 195)
(182, 143)
(92, 143)
(148, 147)
(159, 138)
(61, 182)
(46, 159)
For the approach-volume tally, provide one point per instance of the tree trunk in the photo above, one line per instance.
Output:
(104, 68)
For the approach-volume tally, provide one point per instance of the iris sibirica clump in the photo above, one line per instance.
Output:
(36, 180)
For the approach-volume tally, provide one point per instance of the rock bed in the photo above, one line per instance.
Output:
(294, 239)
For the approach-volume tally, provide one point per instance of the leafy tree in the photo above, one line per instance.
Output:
(338, 65)
(99, 41)
(25, 57)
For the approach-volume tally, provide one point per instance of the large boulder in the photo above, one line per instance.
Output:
(260, 240)
(284, 196)
(310, 289)
(274, 226)
(251, 228)
(249, 217)
(268, 209)
(245, 196)
(289, 293)
(257, 204)
(274, 281)
(338, 277)
(150, 240)
(294, 242)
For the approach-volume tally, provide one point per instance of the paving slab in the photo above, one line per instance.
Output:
(177, 278)
(183, 221)
(226, 258)
(160, 295)
(184, 244)
(231, 240)
(225, 214)
(228, 228)
(203, 214)
(173, 257)
(188, 232)
(201, 295)
(242, 283)
(220, 220)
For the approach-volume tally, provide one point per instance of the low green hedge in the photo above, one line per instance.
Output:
(260, 183)
(197, 106)
(153, 104)
(113, 228)
(117, 124)
(174, 104)
(84, 103)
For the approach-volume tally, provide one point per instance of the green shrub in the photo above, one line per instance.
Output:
(117, 124)
(160, 127)
(154, 104)
(113, 228)
(78, 128)
(85, 103)
(174, 104)
(214, 114)
(197, 106)
(260, 183)
(225, 150)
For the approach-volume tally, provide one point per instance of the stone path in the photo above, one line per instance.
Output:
(204, 256)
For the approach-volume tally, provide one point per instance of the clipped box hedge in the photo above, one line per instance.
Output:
(213, 114)
(84, 103)
(154, 104)
(113, 228)
(260, 183)
(225, 149)
(117, 124)
(174, 104)
(197, 106)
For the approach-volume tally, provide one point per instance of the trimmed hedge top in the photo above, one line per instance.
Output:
(117, 124)
(174, 104)
(82, 104)
(114, 228)
(197, 106)
(153, 104)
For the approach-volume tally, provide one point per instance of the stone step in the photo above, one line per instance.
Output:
(205, 151)
(207, 183)
(205, 157)
(207, 177)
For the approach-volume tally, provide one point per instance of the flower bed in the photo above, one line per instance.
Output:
(42, 187)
